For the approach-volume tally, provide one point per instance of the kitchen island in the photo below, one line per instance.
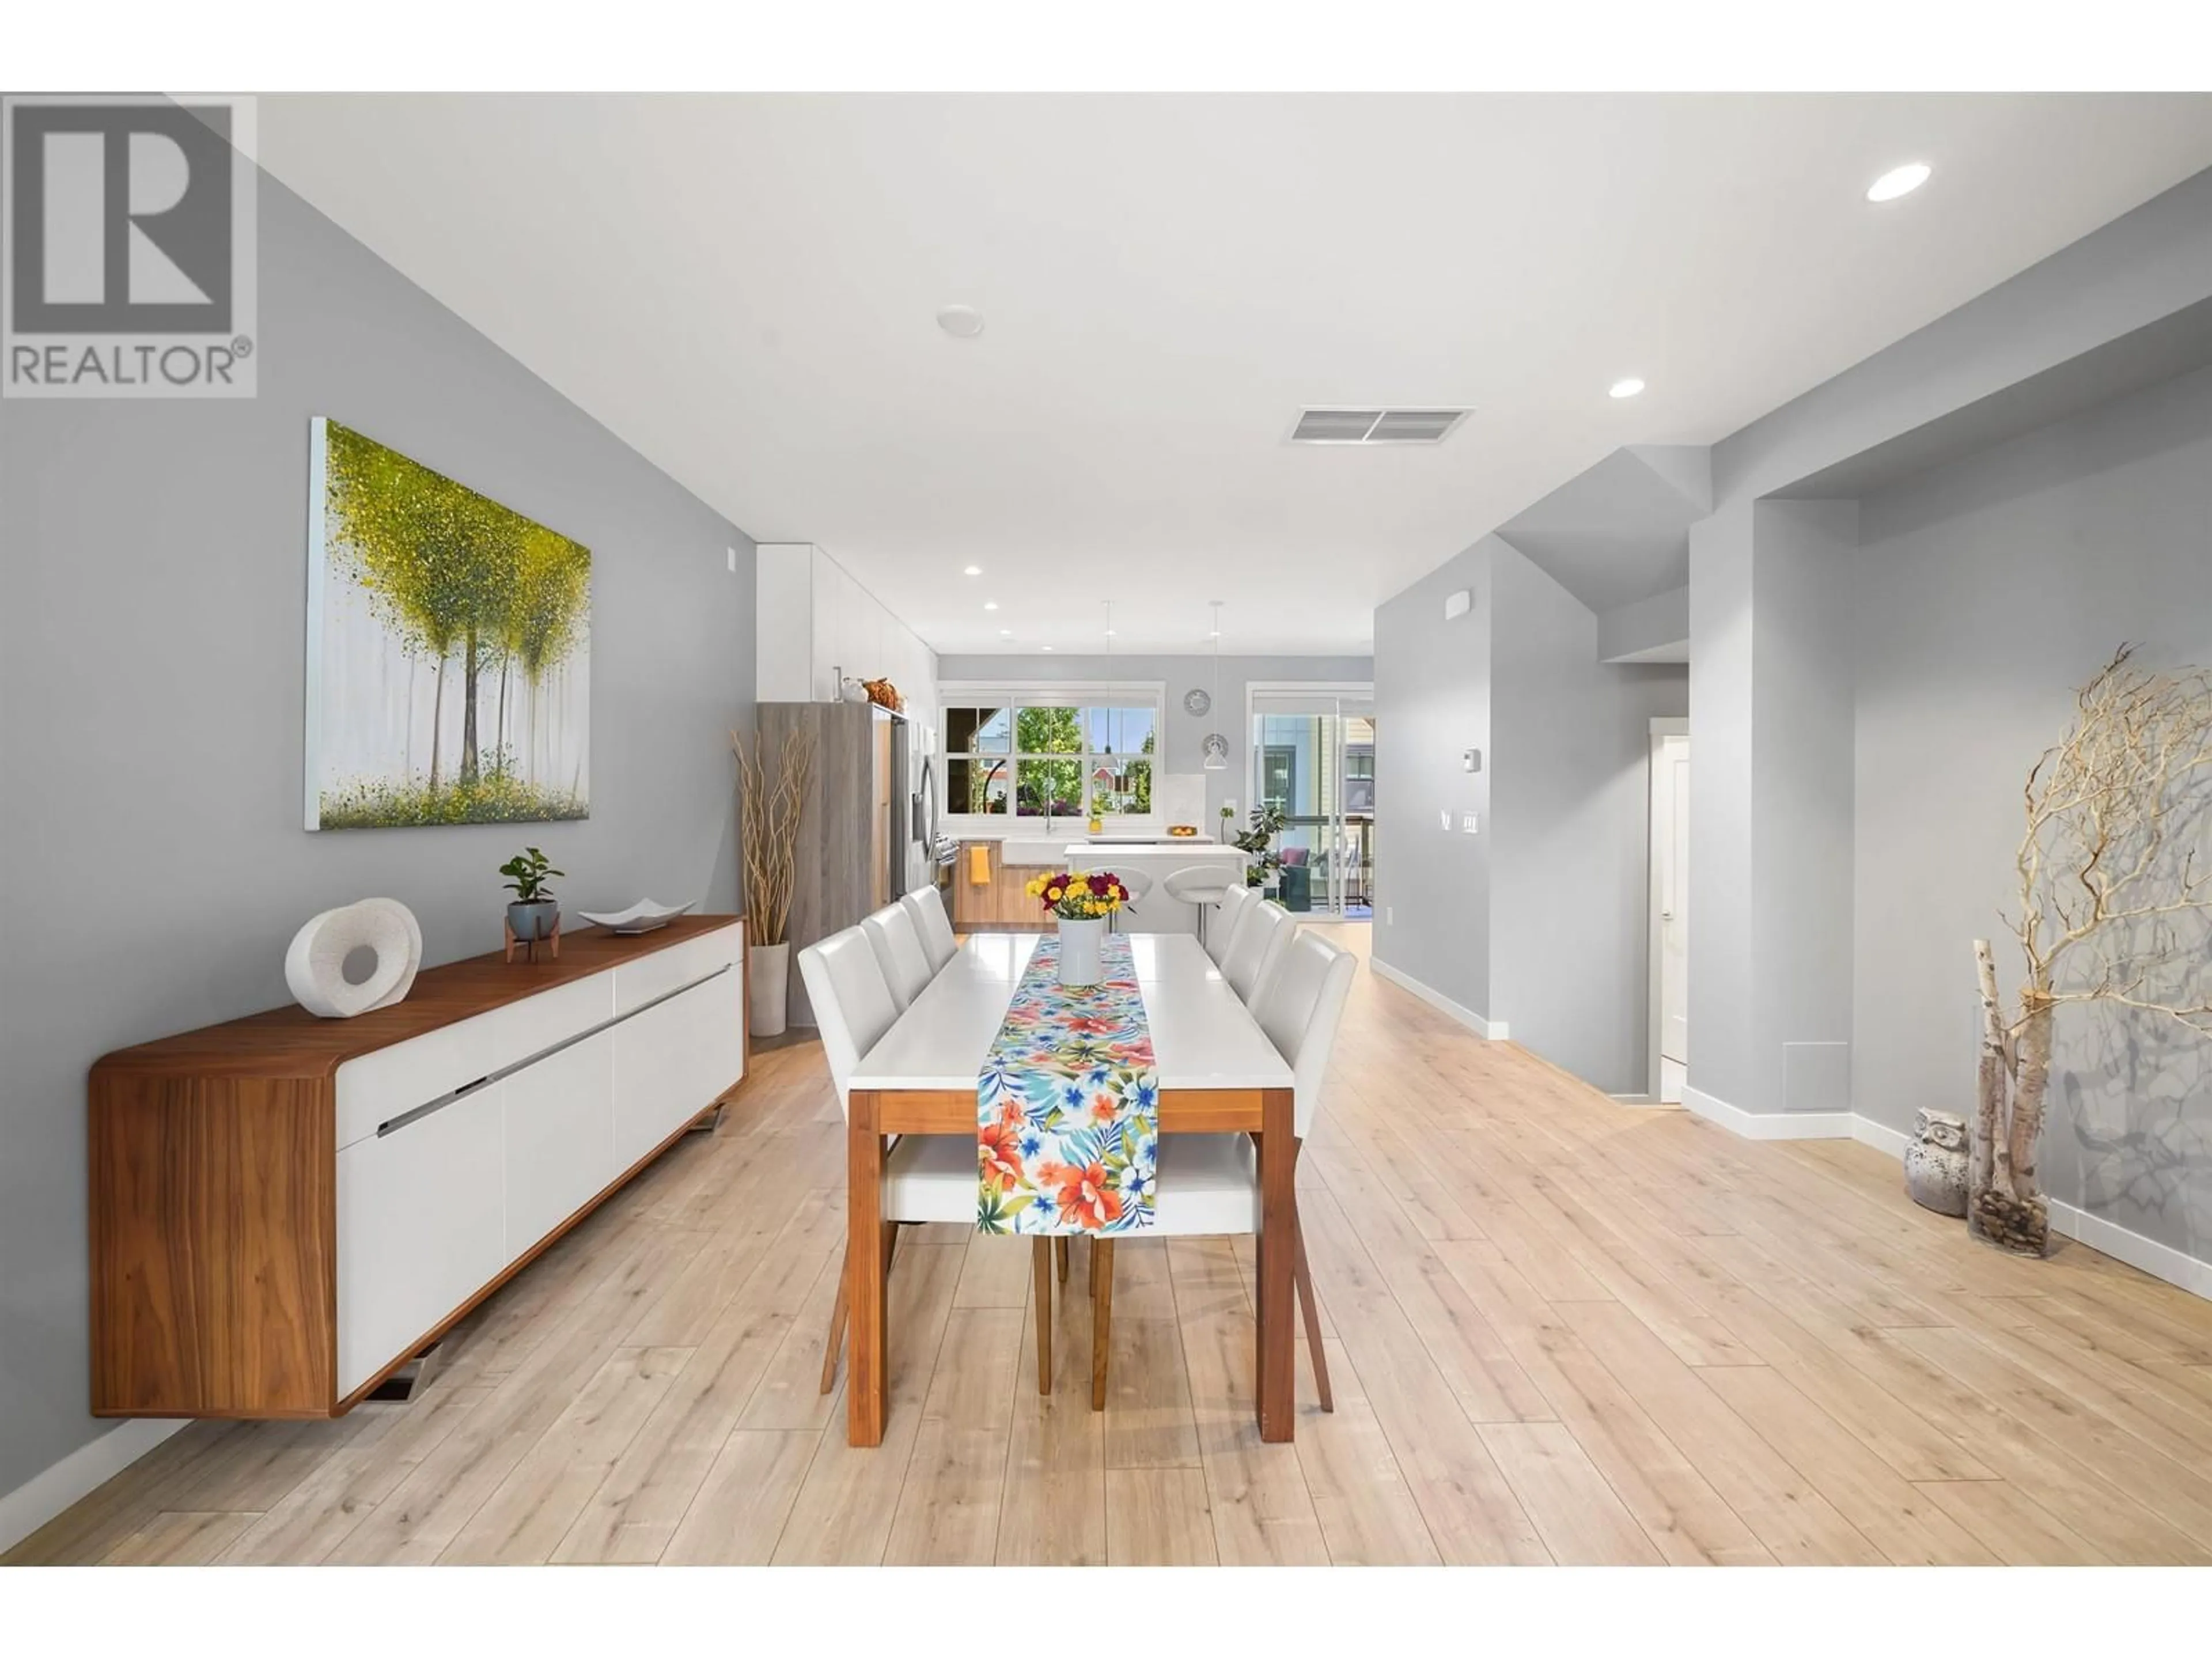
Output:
(990, 874)
(1156, 913)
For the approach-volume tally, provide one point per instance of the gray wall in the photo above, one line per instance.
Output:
(1751, 593)
(1433, 701)
(1981, 594)
(152, 615)
(1183, 740)
(1570, 902)
(1540, 920)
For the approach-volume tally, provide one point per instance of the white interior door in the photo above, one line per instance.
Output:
(1670, 866)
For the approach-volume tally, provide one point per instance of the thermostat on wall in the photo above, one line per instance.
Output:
(1470, 760)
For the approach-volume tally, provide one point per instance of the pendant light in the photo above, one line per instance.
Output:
(1217, 746)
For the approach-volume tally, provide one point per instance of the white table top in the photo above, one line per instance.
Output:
(1203, 1037)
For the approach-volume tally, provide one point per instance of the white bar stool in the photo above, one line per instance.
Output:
(1203, 885)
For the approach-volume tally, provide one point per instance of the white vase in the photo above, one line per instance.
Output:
(1081, 950)
(769, 973)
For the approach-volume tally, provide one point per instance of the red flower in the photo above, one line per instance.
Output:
(999, 1152)
(1084, 1194)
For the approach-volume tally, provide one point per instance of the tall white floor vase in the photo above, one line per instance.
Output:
(1081, 950)
(768, 968)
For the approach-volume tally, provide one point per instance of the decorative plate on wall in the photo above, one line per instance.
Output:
(1196, 701)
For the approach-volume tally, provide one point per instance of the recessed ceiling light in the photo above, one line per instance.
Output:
(961, 322)
(990, 605)
(1006, 633)
(1898, 181)
(1044, 647)
(973, 570)
(1627, 388)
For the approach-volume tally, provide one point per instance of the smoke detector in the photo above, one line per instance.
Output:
(1375, 426)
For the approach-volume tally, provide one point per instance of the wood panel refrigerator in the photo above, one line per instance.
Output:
(855, 827)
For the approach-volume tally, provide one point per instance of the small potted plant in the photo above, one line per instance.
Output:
(1228, 815)
(1082, 905)
(532, 914)
(1269, 820)
(1097, 824)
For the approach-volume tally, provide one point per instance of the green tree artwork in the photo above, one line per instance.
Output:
(449, 650)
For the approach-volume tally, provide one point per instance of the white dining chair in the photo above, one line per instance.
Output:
(1221, 932)
(925, 1178)
(1263, 932)
(1210, 1184)
(1205, 885)
(897, 945)
(926, 905)
(1137, 883)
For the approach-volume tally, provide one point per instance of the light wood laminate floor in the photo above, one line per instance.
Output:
(1560, 1329)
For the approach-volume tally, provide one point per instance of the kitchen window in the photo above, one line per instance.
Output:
(1067, 751)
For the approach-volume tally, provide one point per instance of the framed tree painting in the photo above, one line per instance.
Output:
(449, 649)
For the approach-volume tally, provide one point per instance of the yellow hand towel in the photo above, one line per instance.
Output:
(979, 865)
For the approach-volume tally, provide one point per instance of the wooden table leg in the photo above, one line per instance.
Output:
(866, 1338)
(1277, 1260)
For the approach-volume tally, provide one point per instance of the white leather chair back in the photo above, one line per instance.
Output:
(853, 1005)
(898, 950)
(1301, 1010)
(1221, 932)
(926, 905)
(1262, 933)
(1127, 919)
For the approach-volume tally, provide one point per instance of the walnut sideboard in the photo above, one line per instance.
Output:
(285, 1210)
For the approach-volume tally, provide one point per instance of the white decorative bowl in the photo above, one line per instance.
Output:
(641, 917)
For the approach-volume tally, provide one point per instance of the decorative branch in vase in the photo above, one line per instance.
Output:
(772, 801)
(2115, 873)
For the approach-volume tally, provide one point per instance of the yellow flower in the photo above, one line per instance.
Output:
(1077, 885)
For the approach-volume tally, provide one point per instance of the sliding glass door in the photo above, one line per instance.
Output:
(1313, 757)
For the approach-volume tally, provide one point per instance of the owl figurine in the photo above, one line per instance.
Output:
(1935, 1162)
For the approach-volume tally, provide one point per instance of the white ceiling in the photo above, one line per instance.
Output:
(745, 289)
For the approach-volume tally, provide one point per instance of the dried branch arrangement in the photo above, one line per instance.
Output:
(767, 831)
(2115, 877)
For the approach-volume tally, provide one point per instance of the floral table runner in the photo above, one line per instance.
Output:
(1067, 1106)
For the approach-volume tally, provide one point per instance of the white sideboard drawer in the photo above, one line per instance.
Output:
(377, 1087)
(560, 1138)
(420, 1229)
(639, 983)
(672, 1061)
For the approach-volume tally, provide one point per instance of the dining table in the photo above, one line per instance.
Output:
(1219, 1073)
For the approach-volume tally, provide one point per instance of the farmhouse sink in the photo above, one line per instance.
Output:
(1034, 850)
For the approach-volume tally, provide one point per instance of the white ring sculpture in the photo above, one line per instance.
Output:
(314, 966)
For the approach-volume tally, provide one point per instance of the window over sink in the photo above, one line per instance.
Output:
(1029, 752)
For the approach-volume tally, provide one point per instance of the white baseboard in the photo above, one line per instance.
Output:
(2176, 1268)
(1494, 1030)
(43, 1496)
(2159, 1261)
(1880, 1136)
(1767, 1126)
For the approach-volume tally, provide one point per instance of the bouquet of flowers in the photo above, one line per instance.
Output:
(1090, 897)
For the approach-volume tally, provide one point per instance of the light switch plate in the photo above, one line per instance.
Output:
(733, 562)
(1470, 760)
(1469, 823)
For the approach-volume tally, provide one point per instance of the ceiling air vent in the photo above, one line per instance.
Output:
(1375, 426)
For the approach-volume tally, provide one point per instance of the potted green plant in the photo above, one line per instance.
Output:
(1267, 821)
(1228, 813)
(532, 914)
